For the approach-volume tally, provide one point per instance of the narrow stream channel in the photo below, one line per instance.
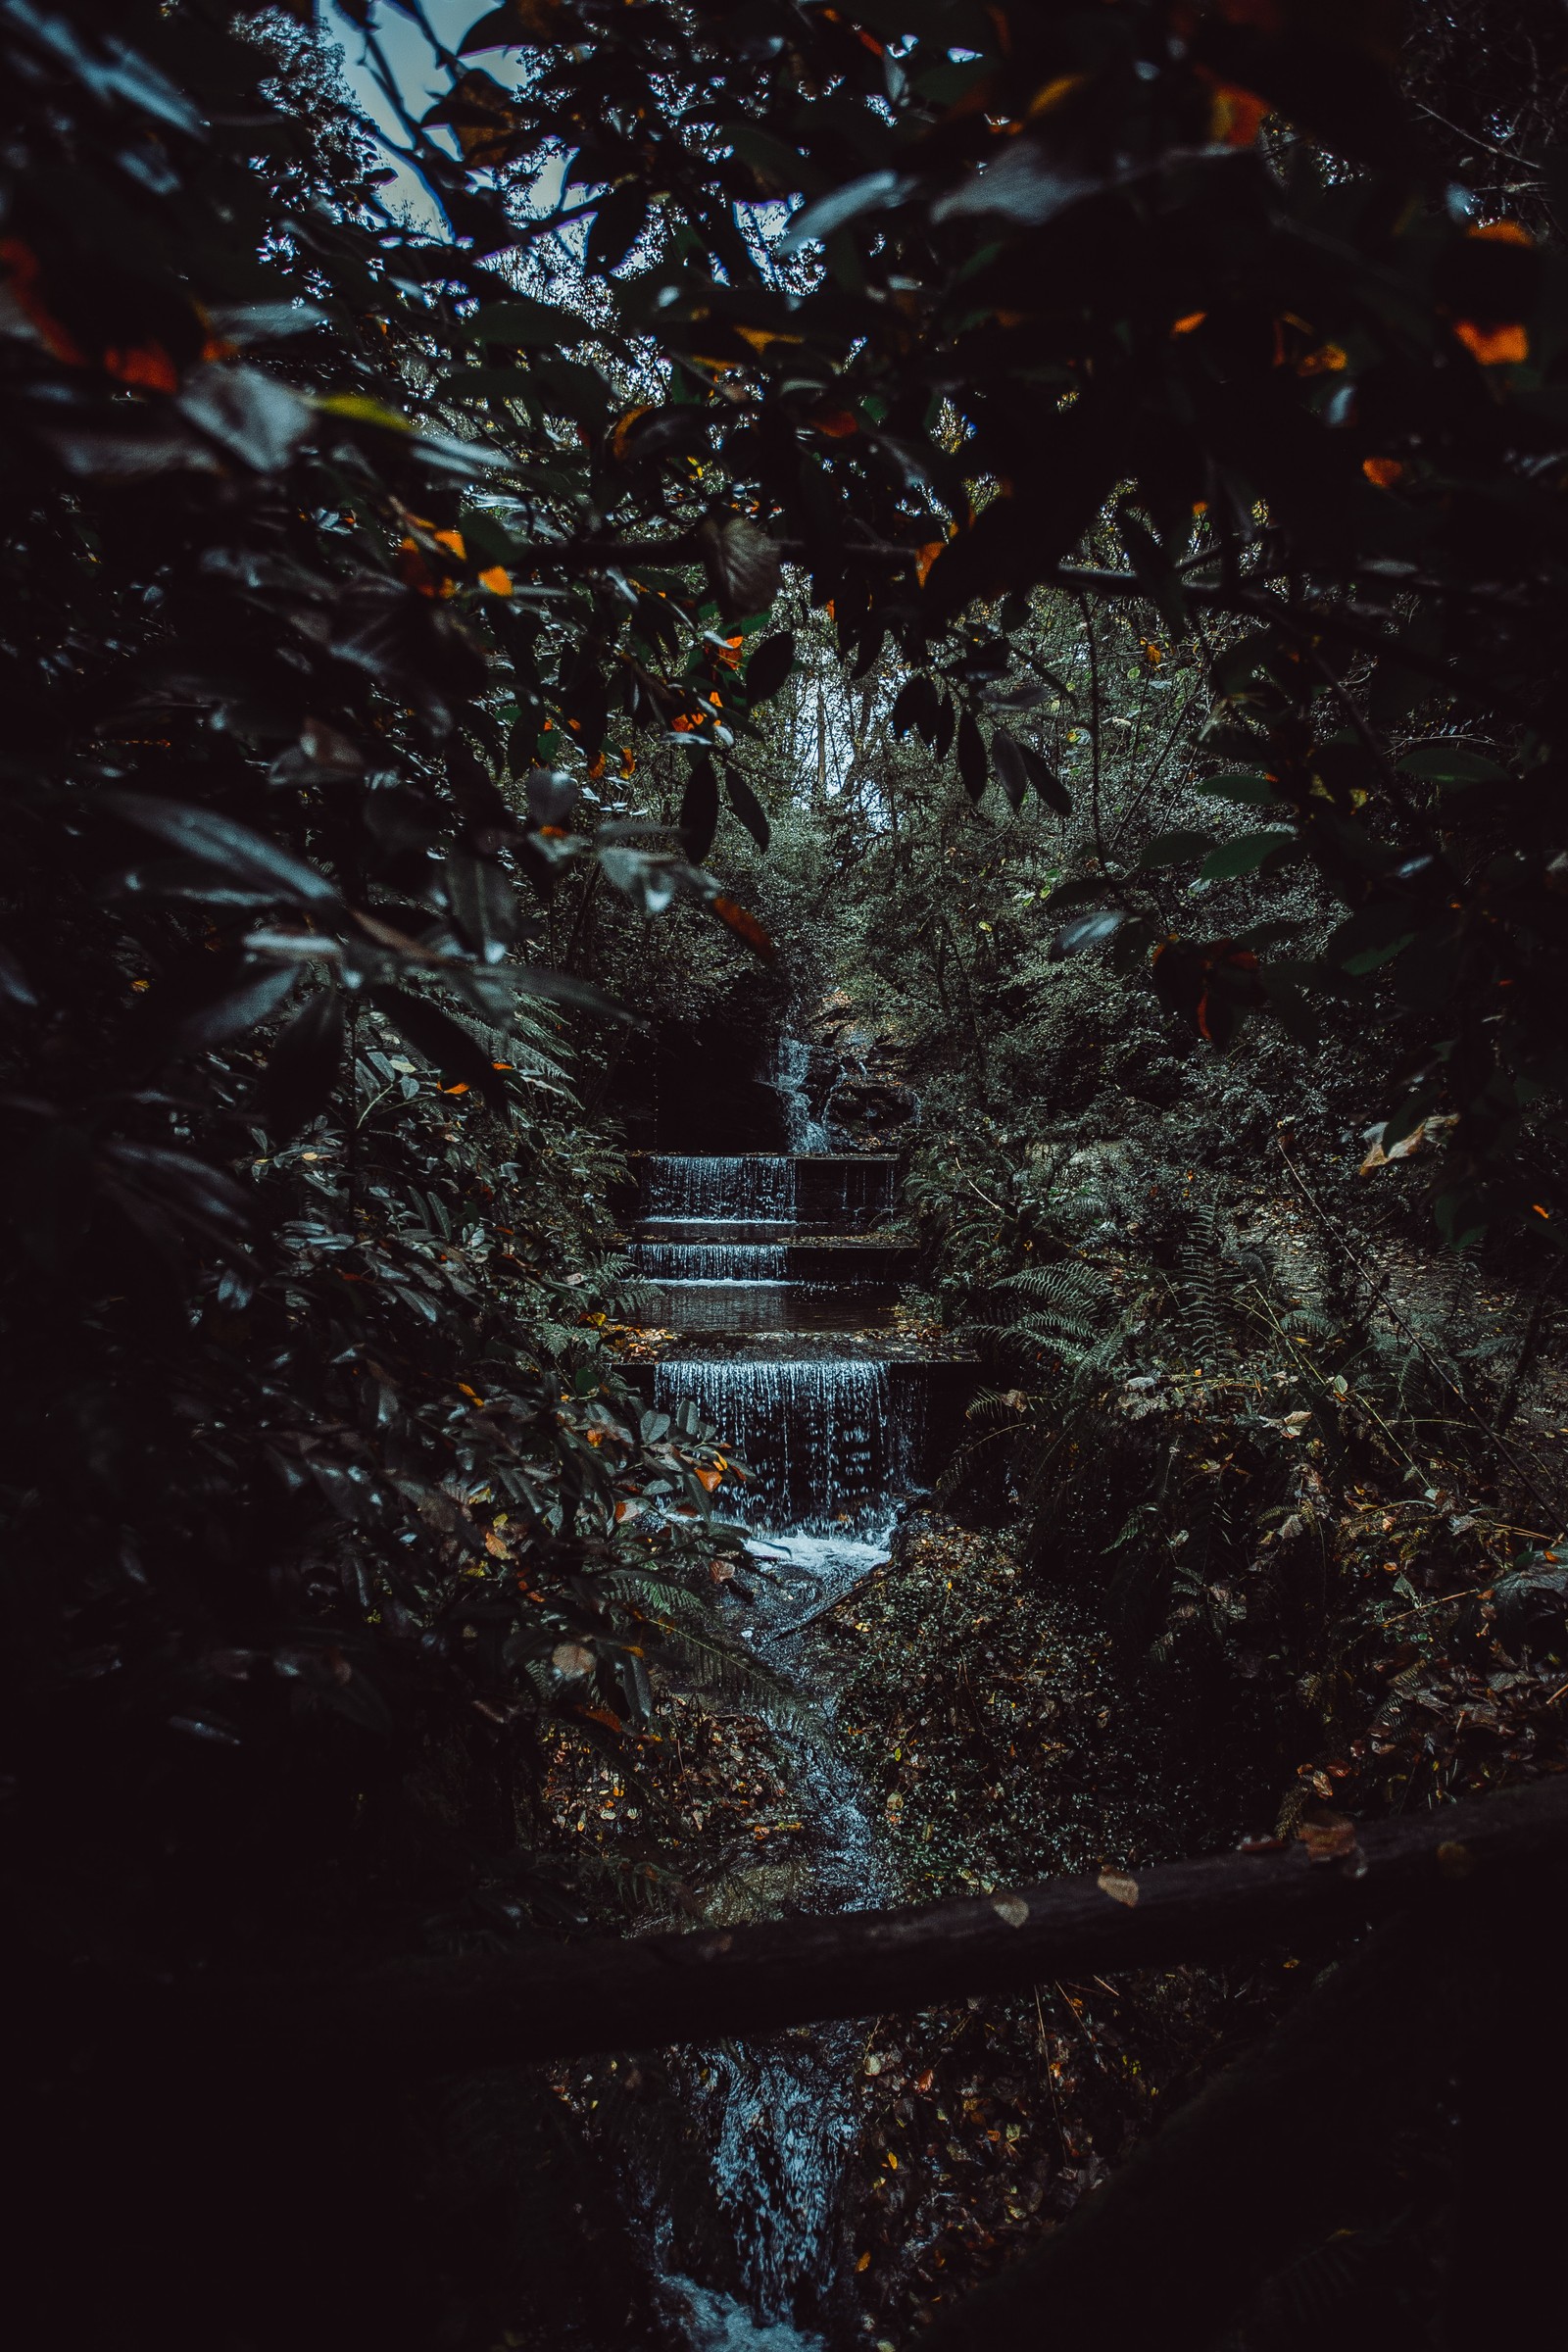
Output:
(814, 1418)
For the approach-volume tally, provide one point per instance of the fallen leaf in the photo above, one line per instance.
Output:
(1328, 1841)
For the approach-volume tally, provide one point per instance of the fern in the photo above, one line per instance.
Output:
(714, 1667)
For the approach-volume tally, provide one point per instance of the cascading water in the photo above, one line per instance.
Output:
(792, 1068)
(828, 1457)
(816, 1431)
(710, 1261)
(748, 1188)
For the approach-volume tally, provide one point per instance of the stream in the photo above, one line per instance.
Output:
(813, 1417)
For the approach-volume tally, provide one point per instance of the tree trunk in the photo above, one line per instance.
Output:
(642, 1991)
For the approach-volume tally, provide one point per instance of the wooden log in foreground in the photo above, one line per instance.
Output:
(492, 2009)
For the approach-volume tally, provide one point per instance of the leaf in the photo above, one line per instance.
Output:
(518, 25)
(552, 798)
(745, 926)
(564, 988)
(942, 734)
(651, 882)
(1329, 1841)
(1088, 931)
(1452, 764)
(973, 768)
(237, 1009)
(483, 117)
(1172, 848)
(1244, 855)
(483, 903)
(231, 848)
(699, 808)
(917, 706)
(265, 322)
(1024, 185)
(1045, 781)
(302, 1068)
(619, 221)
(180, 1176)
(769, 666)
(454, 1050)
(742, 564)
(1012, 773)
(877, 191)
(746, 806)
(522, 318)
(1252, 792)
(250, 415)
(15, 986)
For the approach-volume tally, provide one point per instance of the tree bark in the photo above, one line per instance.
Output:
(559, 2001)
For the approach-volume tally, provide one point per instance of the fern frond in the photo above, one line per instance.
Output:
(714, 1666)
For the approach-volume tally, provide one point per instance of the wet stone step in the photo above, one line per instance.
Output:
(741, 1307)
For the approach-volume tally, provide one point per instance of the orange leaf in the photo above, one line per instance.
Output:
(497, 580)
(925, 557)
(837, 423)
(1050, 94)
(24, 271)
(1235, 116)
(147, 365)
(1328, 1841)
(617, 439)
(759, 338)
(1186, 324)
(1326, 360)
(1495, 346)
(1502, 232)
(1383, 472)
(707, 1480)
(745, 925)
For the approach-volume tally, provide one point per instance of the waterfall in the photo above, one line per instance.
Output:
(781, 2114)
(718, 1189)
(710, 1261)
(817, 1431)
(791, 1068)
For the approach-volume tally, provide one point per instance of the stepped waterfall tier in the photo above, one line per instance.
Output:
(746, 1187)
(816, 1431)
(710, 1261)
(766, 1188)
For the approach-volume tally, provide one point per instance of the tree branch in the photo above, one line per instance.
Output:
(564, 2000)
